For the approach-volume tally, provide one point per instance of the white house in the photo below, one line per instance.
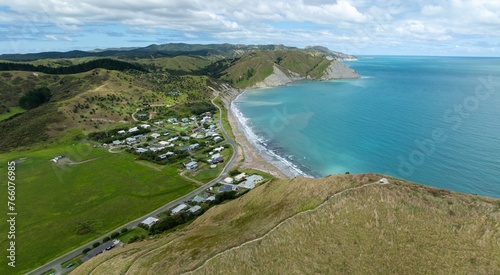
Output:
(155, 135)
(122, 132)
(217, 138)
(194, 208)
(133, 129)
(179, 208)
(250, 181)
(150, 221)
(145, 126)
(191, 165)
(141, 150)
(228, 180)
(240, 177)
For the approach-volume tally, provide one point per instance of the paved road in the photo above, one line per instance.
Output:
(56, 263)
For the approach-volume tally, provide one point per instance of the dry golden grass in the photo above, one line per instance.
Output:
(301, 227)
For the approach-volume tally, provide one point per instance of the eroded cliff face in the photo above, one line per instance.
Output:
(336, 70)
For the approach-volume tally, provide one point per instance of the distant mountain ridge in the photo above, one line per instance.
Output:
(168, 50)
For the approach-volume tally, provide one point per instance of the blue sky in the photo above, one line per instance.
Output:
(393, 27)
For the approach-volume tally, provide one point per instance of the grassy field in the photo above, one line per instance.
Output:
(13, 111)
(62, 207)
(225, 121)
(326, 226)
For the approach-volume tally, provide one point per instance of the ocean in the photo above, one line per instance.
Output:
(430, 120)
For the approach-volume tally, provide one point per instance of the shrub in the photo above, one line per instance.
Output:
(96, 244)
(124, 230)
(105, 239)
(114, 235)
(86, 250)
(35, 98)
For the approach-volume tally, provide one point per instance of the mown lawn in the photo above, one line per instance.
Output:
(54, 202)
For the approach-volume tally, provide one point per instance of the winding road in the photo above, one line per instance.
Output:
(56, 263)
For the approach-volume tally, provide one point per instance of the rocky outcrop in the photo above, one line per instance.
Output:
(337, 70)
(278, 78)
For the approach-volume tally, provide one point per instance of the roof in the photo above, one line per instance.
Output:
(150, 221)
(199, 198)
(227, 188)
(179, 208)
(194, 208)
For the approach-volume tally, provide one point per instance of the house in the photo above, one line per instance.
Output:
(141, 150)
(193, 117)
(133, 130)
(217, 160)
(228, 188)
(185, 148)
(142, 116)
(130, 140)
(217, 138)
(185, 120)
(250, 181)
(158, 122)
(218, 149)
(214, 156)
(167, 154)
(178, 208)
(185, 138)
(145, 126)
(173, 139)
(165, 133)
(163, 143)
(228, 180)
(211, 198)
(206, 119)
(121, 132)
(117, 142)
(150, 221)
(199, 199)
(240, 177)
(194, 208)
(194, 146)
(191, 165)
(155, 135)
(212, 127)
(172, 120)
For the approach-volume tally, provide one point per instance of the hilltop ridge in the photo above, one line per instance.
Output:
(341, 223)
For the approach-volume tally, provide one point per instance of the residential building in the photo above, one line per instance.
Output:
(178, 208)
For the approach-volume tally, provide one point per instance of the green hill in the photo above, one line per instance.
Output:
(339, 224)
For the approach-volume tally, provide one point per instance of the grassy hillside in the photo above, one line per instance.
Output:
(339, 224)
(256, 66)
(56, 201)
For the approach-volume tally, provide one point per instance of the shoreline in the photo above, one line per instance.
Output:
(252, 159)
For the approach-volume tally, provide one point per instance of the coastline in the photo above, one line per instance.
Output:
(256, 155)
(252, 159)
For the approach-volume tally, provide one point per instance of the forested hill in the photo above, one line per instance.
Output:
(163, 50)
(105, 63)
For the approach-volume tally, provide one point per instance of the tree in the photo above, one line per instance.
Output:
(105, 239)
(35, 98)
(86, 250)
(96, 244)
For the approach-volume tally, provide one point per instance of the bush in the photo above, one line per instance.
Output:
(35, 98)
(86, 250)
(114, 235)
(105, 239)
(234, 172)
(124, 230)
(96, 244)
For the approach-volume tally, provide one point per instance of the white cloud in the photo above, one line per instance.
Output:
(360, 24)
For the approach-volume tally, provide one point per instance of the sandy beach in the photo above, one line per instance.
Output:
(252, 158)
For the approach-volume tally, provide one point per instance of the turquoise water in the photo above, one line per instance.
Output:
(431, 120)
